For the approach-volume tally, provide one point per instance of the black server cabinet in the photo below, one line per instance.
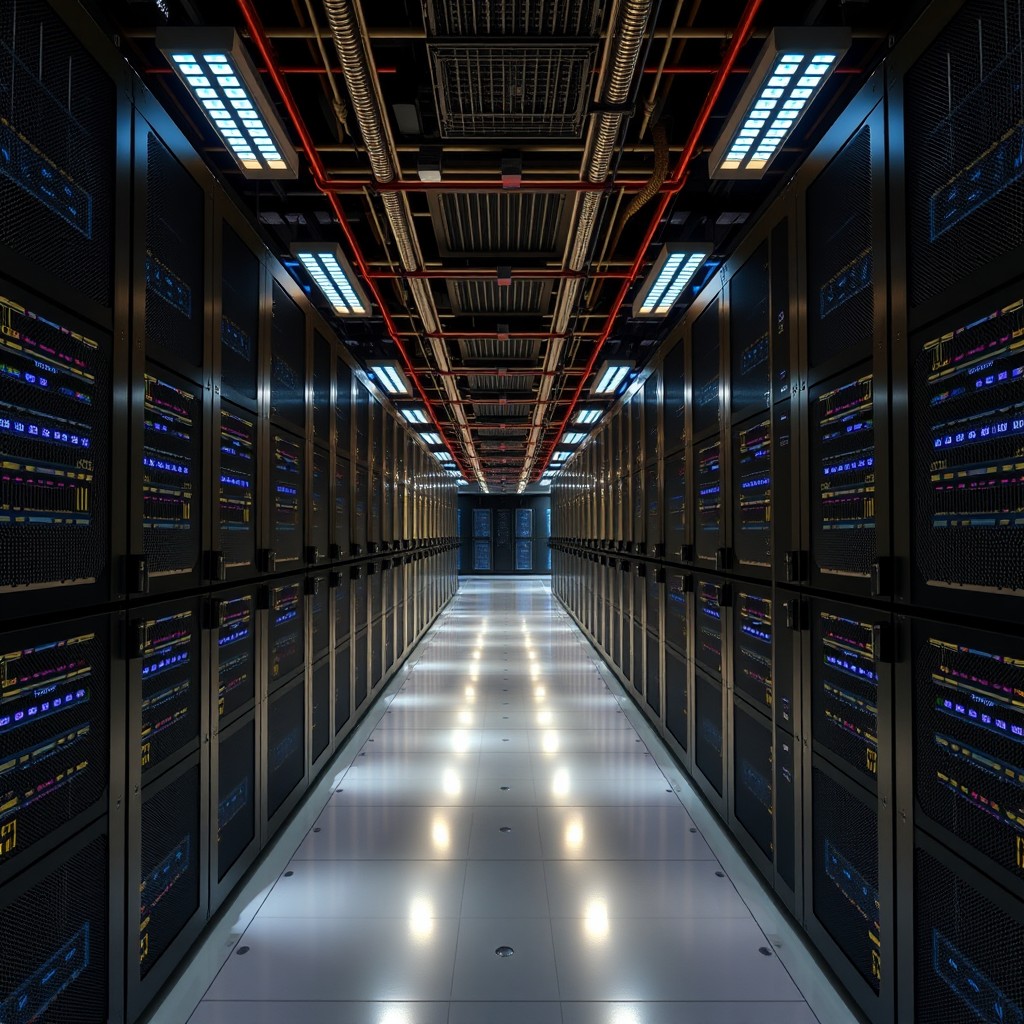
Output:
(237, 481)
(62, 462)
(60, 938)
(321, 714)
(320, 507)
(171, 386)
(845, 355)
(235, 841)
(62, 691)
(343, 703)
(342, 541)
(285, 603)
(241, 273)
(286, 477)
(284, 758)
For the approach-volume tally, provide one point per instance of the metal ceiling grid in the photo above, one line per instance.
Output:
(495, 350)
(520, 298)
(513, 17)
(499, 224)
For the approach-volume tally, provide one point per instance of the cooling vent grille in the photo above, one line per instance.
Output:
(495, 223)
(512, 17)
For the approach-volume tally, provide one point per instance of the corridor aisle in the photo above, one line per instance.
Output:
(503, 805)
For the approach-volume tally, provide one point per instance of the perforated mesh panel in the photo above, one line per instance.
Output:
(505, 18)
(288, 361)
(752, 494)
(342, 610)
(320, 613)
(286, 628)
(169, 886)
(236, 655)
(240, 312)
(753, 774)
(708, 741)
(709, 501)
(676, 702)
(706, 344)
(286, 745)
(342, 501)
(844, 689)
(322, 358)
(171, 475)
(56, 150)
(674, 400)
(843, 470)
(342, 688)
(360, 597)
(780, 318)
(53, 946)
(321, 711)
(969, 727)
(675, 504)
(785, 807)
(749, 332)
(174, 260)
(708, 650)
(676, 598)
(845, 874)
(236, 500)
(752, 650)
(55, 437)
(320, 497)
(361, 417)
(236, 795)
(171, 684)
(967, 951)
(360, 670)
(524, 90)
(359, 509)
(653, 672)
(840, 298)
(965, 127)
(54, 730)
(967, 393)
(287, 473)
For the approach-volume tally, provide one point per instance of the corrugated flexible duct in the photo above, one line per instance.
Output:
(622, 52)
(349, 34)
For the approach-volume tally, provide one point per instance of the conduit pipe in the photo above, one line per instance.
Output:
(622, 55)
(259, 38)
(743, 32)
(348, 33)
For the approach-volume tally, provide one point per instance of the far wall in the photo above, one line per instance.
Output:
(500, 547)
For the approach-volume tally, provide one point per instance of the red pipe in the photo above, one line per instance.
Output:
(259, 37)
(476, 185)
(678, 179)
(471, 274)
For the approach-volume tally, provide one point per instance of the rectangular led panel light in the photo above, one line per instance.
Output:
(588, 415)
(573, 438)
(415, 416)
(609, 376)
(390, 376)
(561, 454)
(673, 270)
(333, 275)
(215, 67)
(432, 438)
(790, 71)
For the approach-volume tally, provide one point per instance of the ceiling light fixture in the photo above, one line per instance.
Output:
(588, 416)
(390, 375)
(415, 416)
(218, 72)
(432, 438)
(673, 270)
(790, 71)
(333, 275)
(609, 376)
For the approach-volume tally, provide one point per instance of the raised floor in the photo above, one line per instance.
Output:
(504, 797)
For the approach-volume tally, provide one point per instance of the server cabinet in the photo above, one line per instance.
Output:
(239, 351)
(235, 554)
(234, 664)
(168, 874)
(287, 478)
(321, 715)
(319, 528)
(963, 512)
(845, 353)
(848, 837)
(285, 603)
(360, 509)
(343, 702)
(288, 358)
(60, 947)
(171, 392)
(285, 753)
(61, 457)
(235, 772)
(62, 691)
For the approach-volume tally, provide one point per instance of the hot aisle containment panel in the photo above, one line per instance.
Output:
(149, 476)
